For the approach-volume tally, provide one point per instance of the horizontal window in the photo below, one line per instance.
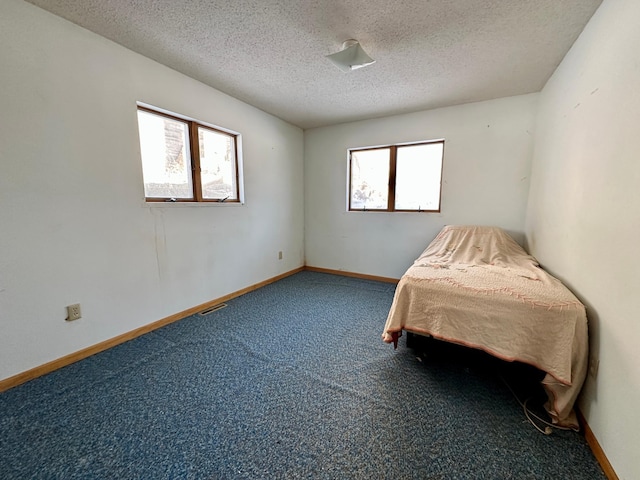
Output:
(396, 178)
(187, 161)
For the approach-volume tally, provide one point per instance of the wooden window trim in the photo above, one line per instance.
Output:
(194, 142)
(393, 155)
(194, 158)
(235, 156)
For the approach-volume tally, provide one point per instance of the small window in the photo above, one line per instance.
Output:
(396, 178)
(186, 161)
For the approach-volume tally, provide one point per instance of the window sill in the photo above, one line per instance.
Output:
(192, 204)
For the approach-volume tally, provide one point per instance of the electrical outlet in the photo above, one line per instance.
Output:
(280, 255)
(73, 312)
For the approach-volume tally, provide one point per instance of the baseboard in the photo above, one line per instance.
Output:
(49, 367)
(596, 448)
(351, 274)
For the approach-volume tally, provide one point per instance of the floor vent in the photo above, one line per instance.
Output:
(215, 308)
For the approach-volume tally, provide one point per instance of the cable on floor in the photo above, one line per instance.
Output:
(548, 427)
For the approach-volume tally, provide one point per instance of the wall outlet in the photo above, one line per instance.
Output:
(73, 312)
(280, 255)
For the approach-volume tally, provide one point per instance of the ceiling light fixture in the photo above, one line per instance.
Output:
(351, 57)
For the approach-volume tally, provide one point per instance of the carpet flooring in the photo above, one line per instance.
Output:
(289, 381)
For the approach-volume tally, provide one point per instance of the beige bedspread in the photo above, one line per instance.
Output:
(477, 287)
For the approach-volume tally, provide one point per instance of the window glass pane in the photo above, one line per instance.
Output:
(370, 179)
(166, 164)
(217, 165)
(418, 176)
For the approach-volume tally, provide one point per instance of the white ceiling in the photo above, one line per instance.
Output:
(270, 53)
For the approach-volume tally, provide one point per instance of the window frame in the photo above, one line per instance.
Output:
(194, 158)
(391, 197)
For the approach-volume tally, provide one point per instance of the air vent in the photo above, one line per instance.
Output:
(215, 308)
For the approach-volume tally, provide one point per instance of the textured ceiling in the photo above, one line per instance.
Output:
(270, 53)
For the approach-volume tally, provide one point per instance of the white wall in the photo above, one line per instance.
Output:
(583, 221)
(73, 223)
(487, 158)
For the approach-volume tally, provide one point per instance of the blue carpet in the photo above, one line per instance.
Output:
(289, 381)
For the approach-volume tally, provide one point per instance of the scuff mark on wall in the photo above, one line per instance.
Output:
(160, 237)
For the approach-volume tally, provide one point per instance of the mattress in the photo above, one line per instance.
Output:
(477, 287)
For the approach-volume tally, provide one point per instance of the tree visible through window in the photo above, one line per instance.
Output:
(183, 160)
(396, 178)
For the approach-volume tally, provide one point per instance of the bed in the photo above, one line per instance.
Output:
(477, 287)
